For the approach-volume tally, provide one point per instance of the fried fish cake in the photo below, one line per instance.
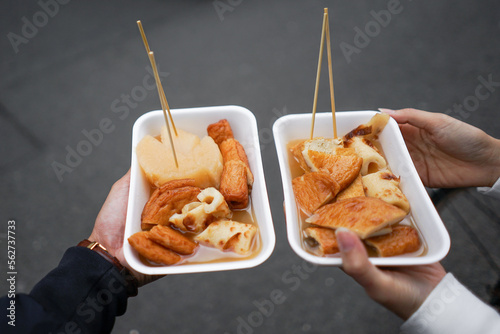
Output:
(220, 131)
(167, 200)
(343, 168)
(362, 215)
(233, 184)
(355, 189)
(152, 251)
(403, 239)
(172, 239)
(314, 189)
(231, 149)
(299, 157)
(237, 179)
(326, 239)
(326, 145)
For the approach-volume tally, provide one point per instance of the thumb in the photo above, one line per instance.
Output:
(355, 261)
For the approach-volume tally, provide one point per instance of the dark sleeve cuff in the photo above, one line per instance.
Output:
(85, 292)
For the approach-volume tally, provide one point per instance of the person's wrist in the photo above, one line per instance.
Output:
(95, 237)
(131, 282)
(101, 250)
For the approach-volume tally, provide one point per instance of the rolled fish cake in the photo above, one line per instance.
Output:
(403, 239)
(326, 239)
(372, 159)
(196, 216)
(236, 179)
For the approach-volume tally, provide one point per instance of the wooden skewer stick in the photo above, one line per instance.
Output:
(144, 39)
(315, 102)
(158, 85)
(163, 98)
(330, 73)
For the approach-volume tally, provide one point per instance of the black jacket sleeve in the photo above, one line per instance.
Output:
(83, 294)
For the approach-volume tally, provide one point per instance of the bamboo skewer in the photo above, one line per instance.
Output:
(144, 39)
(321, 47)
(163, 98)
(330, 72)
(158, 86)
(325, 34)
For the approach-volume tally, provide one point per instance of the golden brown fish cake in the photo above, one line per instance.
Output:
(325, 145)
(355, 189)
(152, 251)
(314, 189)
(326, 239)
(403, 239)
(231, 149)
(233, 185)
(220, 131)
(362, 215)
(346, 151)
(343, 168)
(172, 239)
(299, 157)
(167, 200)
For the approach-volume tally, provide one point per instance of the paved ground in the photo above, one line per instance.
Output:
(71, 70)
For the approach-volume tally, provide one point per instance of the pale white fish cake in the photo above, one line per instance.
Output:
(385, 186)
(228, 235)
(372, 159)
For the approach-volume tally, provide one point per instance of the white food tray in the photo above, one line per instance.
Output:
(196, 120)
(425, 216)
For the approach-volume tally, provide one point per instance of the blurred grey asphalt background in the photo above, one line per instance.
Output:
(85, 62)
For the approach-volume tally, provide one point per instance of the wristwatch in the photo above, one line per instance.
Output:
(131, 283)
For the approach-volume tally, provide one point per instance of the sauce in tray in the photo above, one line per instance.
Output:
(310, 244)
